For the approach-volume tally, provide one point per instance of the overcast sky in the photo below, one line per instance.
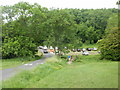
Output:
(67, 3)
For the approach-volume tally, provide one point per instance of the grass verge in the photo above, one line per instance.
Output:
(25, 79)
(9, 63)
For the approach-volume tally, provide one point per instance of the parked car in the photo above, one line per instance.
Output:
(95, 49)
(74, 50)
(79, 50)
(85, 53)
(40, 47)
(45, 50)
(83, 49)
(89, 49)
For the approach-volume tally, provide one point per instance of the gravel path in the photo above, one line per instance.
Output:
(7, 73)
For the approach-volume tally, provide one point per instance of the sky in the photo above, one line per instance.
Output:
(81, 4)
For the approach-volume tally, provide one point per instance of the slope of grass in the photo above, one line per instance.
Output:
(86, 72)
(90, 72)
(100, 75)
(8, 63)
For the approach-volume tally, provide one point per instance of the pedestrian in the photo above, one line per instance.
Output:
(69, 57)
(69, 60)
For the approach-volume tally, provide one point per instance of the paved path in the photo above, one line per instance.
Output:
(7, 73)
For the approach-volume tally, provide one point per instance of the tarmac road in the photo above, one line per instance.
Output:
(7, 73)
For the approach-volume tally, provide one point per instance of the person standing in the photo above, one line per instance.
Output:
(69, 58)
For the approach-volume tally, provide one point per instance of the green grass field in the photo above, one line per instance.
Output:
(86, 72)
(84, 76)
(9, 63)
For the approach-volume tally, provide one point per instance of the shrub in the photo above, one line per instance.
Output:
(18, 46)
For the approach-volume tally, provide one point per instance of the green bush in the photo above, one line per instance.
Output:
(17, 47)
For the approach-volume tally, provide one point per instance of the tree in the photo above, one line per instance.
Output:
(60, 26)
(16, 42)
(118, 2)
(110, 44)
(36, 25)
(17, 47)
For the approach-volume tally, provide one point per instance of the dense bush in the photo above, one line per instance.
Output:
(18, 46)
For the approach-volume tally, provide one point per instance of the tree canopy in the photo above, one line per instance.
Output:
(26, 26)
(110, 44)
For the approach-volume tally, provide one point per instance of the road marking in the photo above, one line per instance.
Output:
(30, 64)
(25, 64)
(41, 63)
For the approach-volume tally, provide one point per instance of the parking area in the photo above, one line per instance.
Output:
(80, 53)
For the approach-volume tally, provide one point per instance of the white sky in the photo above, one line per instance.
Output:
(67, 3)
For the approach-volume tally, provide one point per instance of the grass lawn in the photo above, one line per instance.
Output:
(84, 76)
(8, 63)
(89, 73)
(86, 72)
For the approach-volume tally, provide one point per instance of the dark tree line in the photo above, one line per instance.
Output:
(26, 26)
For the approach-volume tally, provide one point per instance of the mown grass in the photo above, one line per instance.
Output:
(90, 72)
(85, 72)
(8, 63)
(92, 76)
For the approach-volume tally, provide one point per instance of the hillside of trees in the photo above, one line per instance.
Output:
(27, 26)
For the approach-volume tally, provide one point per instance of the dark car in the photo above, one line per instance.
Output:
(79, 50)
(40, 47)
(89, 49)
(45, 50)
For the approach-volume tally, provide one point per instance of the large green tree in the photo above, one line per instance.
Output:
(26, 26)
(61, 28)
(110, 44)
